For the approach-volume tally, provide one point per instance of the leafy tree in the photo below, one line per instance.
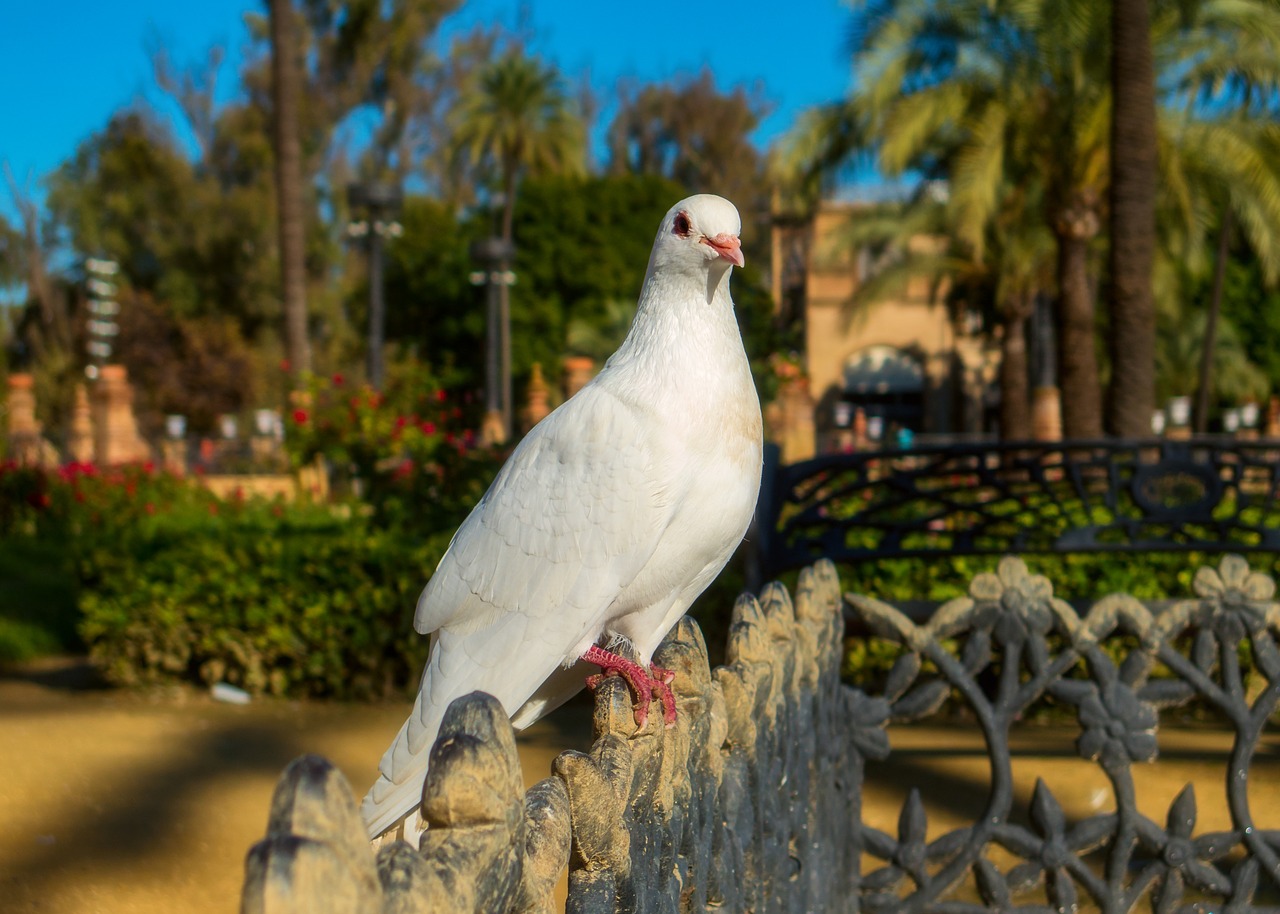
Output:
(583, 248)
(581, 244)
(1251, 306)
(433, 311)
(691, 133)
(198, 367)
(196, 238)
(1178, 360)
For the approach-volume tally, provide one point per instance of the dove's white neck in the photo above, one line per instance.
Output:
(684, 349)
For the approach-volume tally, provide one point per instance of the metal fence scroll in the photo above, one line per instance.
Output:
(754, 802)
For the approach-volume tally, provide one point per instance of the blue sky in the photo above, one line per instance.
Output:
(65, 67)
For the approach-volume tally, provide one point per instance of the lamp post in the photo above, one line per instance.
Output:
(380, 203)
(103, 309)
(494, 255)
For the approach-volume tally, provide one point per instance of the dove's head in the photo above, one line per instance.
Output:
(699, 234)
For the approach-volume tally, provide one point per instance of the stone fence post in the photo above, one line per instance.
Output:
(752, 802)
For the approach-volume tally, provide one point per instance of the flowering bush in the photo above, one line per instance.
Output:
(410, 450)
(167, 581)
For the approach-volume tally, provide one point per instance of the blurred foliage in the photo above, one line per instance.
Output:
(269, 605)
(200, 367)
(410, 451)
(165, 582)
(698, 137)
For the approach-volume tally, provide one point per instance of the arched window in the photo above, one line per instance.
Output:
(888, 384)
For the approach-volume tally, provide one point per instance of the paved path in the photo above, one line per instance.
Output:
(114, 803)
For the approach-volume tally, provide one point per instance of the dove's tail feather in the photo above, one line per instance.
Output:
(451, 672)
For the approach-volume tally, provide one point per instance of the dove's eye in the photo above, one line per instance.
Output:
(682, 225)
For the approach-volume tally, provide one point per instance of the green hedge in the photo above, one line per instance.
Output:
(290, 613)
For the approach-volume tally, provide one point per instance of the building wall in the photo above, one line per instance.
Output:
(915, 321)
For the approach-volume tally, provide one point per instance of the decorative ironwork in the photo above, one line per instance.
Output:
(1013, 635)
(1078, 496)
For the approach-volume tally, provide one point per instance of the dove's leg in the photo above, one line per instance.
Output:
(643, 682)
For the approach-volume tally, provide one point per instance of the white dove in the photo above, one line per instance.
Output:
(609, 518)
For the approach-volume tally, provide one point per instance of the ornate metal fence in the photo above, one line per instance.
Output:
(1210, 494)
(755, 800)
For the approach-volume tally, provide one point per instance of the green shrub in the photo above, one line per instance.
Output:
(409, 450)
(296, 613)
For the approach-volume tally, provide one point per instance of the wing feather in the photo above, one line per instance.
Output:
(575, 513)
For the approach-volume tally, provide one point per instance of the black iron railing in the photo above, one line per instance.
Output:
(1211, 494)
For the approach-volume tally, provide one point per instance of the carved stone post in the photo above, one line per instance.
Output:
(115, 429)
(80, 432)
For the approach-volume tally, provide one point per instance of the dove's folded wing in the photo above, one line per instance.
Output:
(572, 517)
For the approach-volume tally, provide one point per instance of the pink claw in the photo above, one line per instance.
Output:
(644, 683)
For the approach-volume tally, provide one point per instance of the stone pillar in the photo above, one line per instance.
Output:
(80, 432)
(536, 407)
(115, 428)
(578, 370)
(1046, 414)
(26, 445)
(790, 421)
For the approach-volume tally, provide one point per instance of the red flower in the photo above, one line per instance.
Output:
(300, 416)
(441, 396)
(337, 380)
(405, 469)
(149, 508)
(401, 421)
(428, 428)
(149, 467)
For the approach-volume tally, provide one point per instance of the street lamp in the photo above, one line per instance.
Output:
(494, 255)
(103, 309)
(380, 203)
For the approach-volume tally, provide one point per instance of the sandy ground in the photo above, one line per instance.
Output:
(128, 804)
(114, 803)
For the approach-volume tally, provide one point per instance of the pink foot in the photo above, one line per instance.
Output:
(644, 683)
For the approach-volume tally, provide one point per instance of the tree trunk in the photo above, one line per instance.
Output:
(1015, 406)
(1132, 394)
(289, 194)
(1077, 358)
(504, 291)
(1205, 387)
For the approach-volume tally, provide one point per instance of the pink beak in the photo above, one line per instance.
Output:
(727, 246)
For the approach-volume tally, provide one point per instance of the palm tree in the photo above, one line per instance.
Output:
(1015, 95)
(1131, 395)
(995, 100)
(1229, 58)
(516, 117)
(289, 195)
